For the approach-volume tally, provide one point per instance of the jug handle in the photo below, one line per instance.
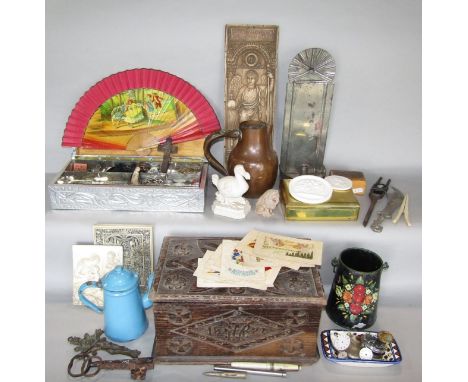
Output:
(84, 300)
(334, 264)
(212, 138)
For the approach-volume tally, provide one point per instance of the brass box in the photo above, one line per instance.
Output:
(343, 205)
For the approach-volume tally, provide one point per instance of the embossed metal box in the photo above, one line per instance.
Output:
(104, 182)
(218, 325)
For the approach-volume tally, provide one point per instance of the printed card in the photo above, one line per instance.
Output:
(234, 264)
(255, 261)
(248, 245)
(307, 253)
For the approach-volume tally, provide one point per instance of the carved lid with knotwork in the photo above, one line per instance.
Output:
(174, 281)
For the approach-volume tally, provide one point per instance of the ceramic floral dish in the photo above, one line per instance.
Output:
(346, 348)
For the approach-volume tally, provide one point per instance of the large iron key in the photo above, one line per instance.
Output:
(92, 364)
(137, 366)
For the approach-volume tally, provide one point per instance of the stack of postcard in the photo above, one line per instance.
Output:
(255, 261)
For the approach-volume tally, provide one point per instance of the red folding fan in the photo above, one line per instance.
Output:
(138, 109)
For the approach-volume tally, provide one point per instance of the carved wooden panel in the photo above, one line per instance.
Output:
(224, 333)
(250, 82)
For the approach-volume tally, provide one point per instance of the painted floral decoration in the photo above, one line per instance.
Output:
(356, 297)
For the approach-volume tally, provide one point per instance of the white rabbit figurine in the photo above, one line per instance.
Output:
(229, 201)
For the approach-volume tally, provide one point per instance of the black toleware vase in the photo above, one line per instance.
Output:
(353, 298)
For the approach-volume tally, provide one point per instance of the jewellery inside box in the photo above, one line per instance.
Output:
(135, 172)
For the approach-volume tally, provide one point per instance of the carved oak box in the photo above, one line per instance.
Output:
(218, 325)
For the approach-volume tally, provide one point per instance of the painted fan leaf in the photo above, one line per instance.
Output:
(138, 109)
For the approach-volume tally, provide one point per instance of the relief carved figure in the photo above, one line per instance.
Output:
(251, 61)
(250, 99)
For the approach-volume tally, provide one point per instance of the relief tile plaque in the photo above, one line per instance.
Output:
(137, 243)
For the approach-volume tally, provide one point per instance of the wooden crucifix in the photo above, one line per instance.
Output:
(167, 148)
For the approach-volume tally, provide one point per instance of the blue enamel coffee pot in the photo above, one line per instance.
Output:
(124, 306)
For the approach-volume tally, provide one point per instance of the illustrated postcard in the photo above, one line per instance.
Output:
(306, 253)
(234, 267)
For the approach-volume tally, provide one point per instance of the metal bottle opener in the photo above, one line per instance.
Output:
(394, 201)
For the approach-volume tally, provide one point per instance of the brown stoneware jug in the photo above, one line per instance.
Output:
(254, 151)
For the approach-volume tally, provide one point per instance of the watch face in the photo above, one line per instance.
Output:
(365, 354)
(340, 341)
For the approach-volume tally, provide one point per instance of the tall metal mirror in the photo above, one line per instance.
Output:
(309, 96)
